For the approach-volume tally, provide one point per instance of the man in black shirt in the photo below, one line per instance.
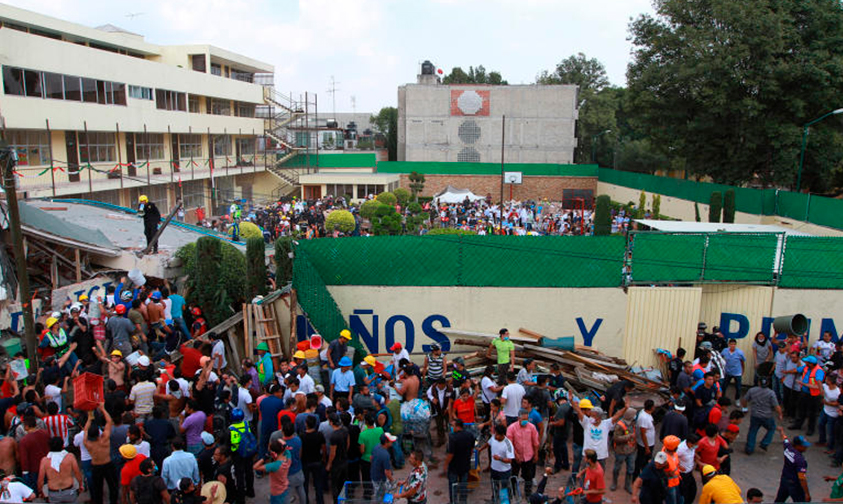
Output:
(675, 366)
(650, 486)
(312, 458)
(561, 429)
(458, 459)
(675, 423)
(337, 465)
(224, 472)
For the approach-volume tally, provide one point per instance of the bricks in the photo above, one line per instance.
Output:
(532, 188)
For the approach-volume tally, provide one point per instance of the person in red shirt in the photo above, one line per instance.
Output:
(131, 468)
(463, 408)
(594, 485)
(709, 447)
(33, 447)
(190, 359)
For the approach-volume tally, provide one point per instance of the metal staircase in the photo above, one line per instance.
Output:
(280, 112)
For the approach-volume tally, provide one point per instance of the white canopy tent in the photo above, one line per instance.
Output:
(453, 195)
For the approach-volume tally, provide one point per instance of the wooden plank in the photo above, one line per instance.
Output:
(228, 323)
(235, 353)
(293, 302)
(532, 334)
(78, 261)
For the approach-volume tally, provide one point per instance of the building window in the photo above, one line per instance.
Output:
(193, 104)
(245, 109)
(364, 190)
(96, 147)
(149, 146)
(170, 100)
(220, 107)
(140, 92)
(216, 69)
(242, 76)
(53, 86)
(13, 81)
(72, 88)
(89, 90)
(338, 190)
(33, 147)
(190, 146)
(32, 80)
(222, 145)
(111, 93)
(198, 62)
(246, 146)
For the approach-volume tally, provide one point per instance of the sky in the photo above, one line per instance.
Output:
(371, 47)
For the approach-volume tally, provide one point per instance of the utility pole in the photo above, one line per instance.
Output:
(333, 90)
(8, 159)
(503, 143)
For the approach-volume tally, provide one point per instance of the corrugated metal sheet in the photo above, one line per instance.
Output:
(659, 317)
(753, 302)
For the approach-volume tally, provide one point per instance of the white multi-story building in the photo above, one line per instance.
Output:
(101, 113)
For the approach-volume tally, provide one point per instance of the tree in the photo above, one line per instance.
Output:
(657, 205)
(256, 266)
(368, 209)
(476, 75)
(216, 276)
(416, 184)
(714, 206)
(340, 220)
(729, 206)
(386, 123)
(587, 73)
(642, 205)
(402, 195)
(602, 216)
(387, 198)
(696, 211)
(283, 261)
(386, 221)
(728, 85)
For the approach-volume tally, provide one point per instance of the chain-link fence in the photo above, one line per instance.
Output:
(812, 262)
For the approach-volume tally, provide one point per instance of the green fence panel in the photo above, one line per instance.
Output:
(527, 169)
(350, 160)
(793, 205)
(826, 212)
(551, 261)
(667, 258)
(749, 258)
(812, 262)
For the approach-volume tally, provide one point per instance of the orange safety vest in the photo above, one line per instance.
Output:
(625, 432)
(672, 470)
(811, 380)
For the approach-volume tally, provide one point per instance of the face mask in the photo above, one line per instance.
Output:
(506, 338)
(524, 423)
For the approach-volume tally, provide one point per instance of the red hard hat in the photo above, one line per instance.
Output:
(196, 311)
(120, 309)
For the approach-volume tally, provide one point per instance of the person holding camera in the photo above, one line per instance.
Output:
(277, 463)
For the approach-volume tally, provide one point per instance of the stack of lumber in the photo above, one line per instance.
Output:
(585, 368)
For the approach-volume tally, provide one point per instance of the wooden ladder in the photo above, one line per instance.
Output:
(263, 321)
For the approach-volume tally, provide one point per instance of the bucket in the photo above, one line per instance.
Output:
(311, 354)
(303, 345)
(316, 341)
(563, 343)
(137, 277)
(791, 324)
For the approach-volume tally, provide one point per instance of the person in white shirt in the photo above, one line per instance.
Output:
(489, 388)
(828, 418)
(244, 397)
(645, 436)
(511, 398)
(686, 452)
(135, 439)
(596, 429)
(53, 393)
(218, 352)
(823, 348)
(12, 491)
(306, 384)
(323, 399)
(502, 453)
(398, 353)
(84, 456)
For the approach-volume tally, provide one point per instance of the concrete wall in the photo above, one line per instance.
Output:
(682, 209)
(531, 188)
(540, 122)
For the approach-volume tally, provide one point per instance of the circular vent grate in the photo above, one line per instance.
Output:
(468, 155)
(469, 132)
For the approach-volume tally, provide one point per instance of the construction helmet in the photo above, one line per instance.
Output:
(299, 355)
(143, 199)
(586, 404)
(671, 442)
(51, 322)
(345, 333)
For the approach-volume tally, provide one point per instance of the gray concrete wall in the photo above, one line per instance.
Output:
(540, 122)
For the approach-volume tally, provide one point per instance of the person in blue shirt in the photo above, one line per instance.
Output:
(180, 464)
(269, 408)
(735, 365)
(342, 380)
(177, 310)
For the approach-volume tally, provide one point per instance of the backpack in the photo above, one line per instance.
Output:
(248, 445)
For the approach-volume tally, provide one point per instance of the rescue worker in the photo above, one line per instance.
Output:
(151, 217)
(811, 377)
(56, 339)
(243, 471)
(266, 371)
(236, 213)
(674, 477)
(718, 488)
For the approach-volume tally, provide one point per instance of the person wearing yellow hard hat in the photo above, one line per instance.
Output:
(364, 372)
(298, 358)
(56, 342)
(338, 348)
(151, 218)
(718, 488)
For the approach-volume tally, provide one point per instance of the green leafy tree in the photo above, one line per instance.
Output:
(657, 205)
(475, 75)
(416, 184)
(386, 221)
(729, 206)
(216, 276)
(368, 209)
(402, 195)
(256, 266)
(727, 86)
(387, 198)
(283, 261)
(642, 204)
(340, 220)
(386, 123)
(587, 73)
(602, 216)
(714, 206)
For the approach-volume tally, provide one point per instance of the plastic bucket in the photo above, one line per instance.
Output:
(316, 341)
(303, 345)
(563, 343)
(311, 354)
(137, 277)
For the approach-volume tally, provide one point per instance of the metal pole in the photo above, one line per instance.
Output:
(307, 132)
(225, 135)
(146, 139)
(20, 255)
(52, 170)
(119, 157)
(90, 167)
(503, 138)
(802, 159)
(316, 120)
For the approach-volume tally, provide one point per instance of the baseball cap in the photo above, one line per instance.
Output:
(660, 458)
(809, 359)
(801, 441)
(680, 405)
(320, 388)
(207, 438)
(388, 437)
(143, 360)
(395, 348)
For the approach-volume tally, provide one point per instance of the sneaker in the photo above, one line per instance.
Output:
(763, 447)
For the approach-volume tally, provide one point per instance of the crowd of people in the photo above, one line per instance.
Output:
(179, 422)
(306, 218)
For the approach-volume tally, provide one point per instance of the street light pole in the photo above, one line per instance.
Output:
(594, 144)
(805, 144)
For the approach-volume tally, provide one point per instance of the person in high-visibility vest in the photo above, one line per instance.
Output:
(266, 371)
(57, 340)
(810, 376)
(243, 471)
(674, 477)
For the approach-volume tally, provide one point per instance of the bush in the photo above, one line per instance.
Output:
(402, 195)
(340, 220)
(368, 209)
(387, 198)
(715, 206)
(414, 208)
(256, 267)
(449, 231)
(283, 261)
(386, 221)
(216, 277)
(602, 216)
(247, 230)
(729, 206)
(657, 205)
(642, 203)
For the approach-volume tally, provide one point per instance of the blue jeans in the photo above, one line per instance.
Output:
(725, 384)
(458, 494)
(756, 423)
(577, 449)
(397, 455)
(826, 427)
(86, 471)
(673, 496)
(284, 498)
(778, 388)
(182, 327)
